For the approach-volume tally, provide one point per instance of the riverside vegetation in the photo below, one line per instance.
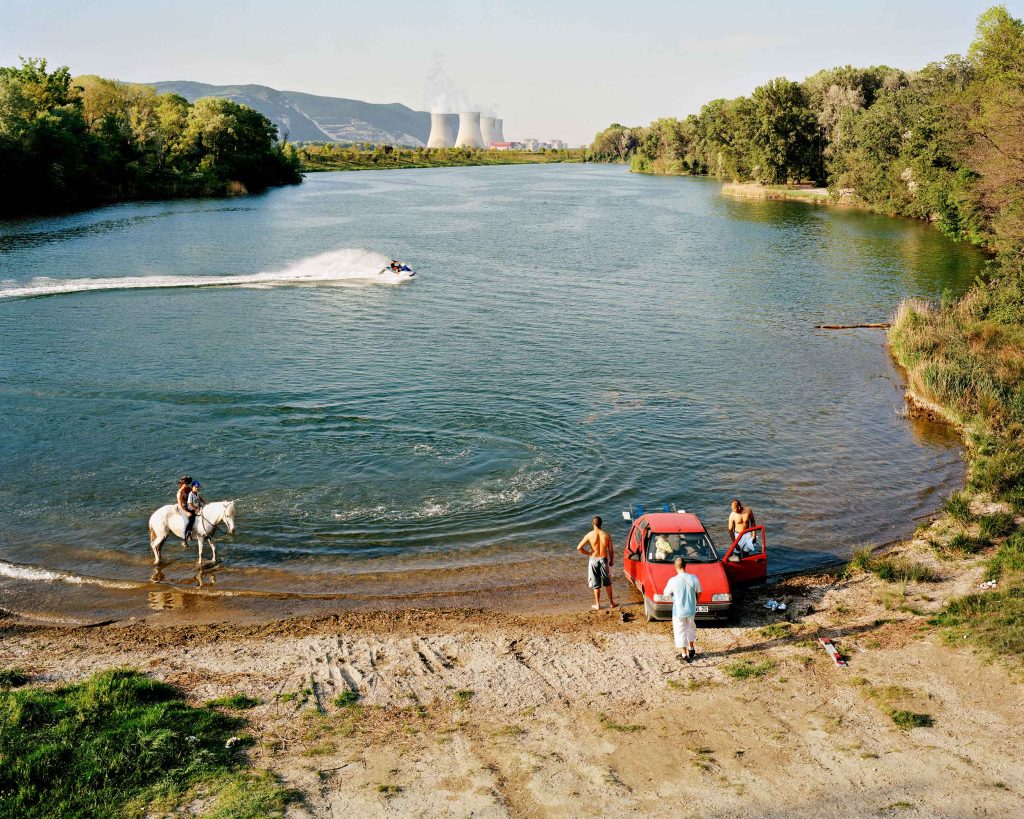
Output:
(332, 157)
(945, 143)
(75, 142)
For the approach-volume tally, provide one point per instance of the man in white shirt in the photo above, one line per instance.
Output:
(684, 589)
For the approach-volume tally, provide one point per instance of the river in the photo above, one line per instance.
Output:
(577, 339)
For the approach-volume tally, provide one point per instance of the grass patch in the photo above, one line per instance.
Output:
(960, 545)
(463, 696)
(294, 696)
(508, 731)
(890, 568)
(774, 631)
(996, 525)
(993, 620)
(346, 699)
(119, 740)
(958, 507)
(622, 727)
(748, 669)
(905, 720)
(236, 702)
(389, 790)
(13, 678)
(1008, 559)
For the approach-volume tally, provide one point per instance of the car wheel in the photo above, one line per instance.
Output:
(648, 611)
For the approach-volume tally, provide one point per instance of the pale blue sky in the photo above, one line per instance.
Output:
(555, 69)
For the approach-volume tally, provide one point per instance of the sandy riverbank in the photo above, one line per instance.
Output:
(470, 712)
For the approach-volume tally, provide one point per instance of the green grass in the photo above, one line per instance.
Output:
(621, 727)
(1008, 559)
(960, 545)
(236, 702)
(463, 697)
(996, 525)
(776, 630)
(908, 719)
(958, 507)
(748, 669)
(346, 699)
(993, 620)
(389, 790)
(120, 740)
(891, 569)
(13, 678)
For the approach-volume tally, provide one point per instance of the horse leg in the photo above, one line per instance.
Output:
(200, 540)
(213, 550)
(156, 544)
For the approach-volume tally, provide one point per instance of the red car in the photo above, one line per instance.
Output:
(656, 539)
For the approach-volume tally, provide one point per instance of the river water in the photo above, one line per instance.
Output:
(577, 339)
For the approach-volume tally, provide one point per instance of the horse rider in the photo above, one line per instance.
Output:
(194, 504)
(181, 501)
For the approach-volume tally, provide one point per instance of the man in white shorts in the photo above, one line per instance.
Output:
(683, 589)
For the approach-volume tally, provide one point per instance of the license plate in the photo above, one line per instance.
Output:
(702, 609)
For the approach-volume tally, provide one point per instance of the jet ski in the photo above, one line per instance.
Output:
(403, 271)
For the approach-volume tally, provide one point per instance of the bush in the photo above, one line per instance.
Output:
(891, 569)
(908, 719)
(961, 545)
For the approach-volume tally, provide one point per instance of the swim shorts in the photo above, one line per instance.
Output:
(597, 573)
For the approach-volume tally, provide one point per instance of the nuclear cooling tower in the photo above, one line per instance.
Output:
(487, 131)
(469, 131)
(499, 132)
(440, 132)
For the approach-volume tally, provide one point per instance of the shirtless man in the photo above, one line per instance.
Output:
(597, 544)
(742, 517)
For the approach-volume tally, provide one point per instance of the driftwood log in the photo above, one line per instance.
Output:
(851, 326)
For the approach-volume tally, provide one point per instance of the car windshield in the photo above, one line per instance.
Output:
(693, 547)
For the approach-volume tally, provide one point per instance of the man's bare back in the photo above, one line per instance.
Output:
(597, 543)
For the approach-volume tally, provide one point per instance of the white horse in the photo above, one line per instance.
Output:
(167, 520)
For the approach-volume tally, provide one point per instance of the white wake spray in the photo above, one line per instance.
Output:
(348, 266)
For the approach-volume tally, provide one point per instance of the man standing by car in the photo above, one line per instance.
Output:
(597, 544)
(683, 589)
(742, 518)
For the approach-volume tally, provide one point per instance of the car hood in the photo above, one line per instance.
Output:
(711, 576)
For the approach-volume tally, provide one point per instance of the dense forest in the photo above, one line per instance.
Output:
(73, 142)
(944, 143)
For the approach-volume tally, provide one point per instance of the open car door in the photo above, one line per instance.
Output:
(747, 558)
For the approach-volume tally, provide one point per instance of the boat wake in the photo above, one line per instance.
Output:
(344, 267)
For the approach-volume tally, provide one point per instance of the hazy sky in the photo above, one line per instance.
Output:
(552, 69)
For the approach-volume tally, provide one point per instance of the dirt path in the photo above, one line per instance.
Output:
(484, 714)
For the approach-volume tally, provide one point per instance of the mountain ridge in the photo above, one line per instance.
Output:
(302, 117)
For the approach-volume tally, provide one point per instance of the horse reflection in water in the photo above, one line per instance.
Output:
(174, 598)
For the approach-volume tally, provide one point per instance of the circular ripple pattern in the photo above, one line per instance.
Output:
(577, 339)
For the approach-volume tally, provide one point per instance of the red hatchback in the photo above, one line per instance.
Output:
(656, 539)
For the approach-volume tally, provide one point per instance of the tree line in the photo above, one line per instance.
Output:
(74, 142)
(328, 156)
(945, 143)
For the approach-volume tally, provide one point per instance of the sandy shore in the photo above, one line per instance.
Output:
(484, 713)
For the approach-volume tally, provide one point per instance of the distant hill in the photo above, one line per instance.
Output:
(307, 117)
